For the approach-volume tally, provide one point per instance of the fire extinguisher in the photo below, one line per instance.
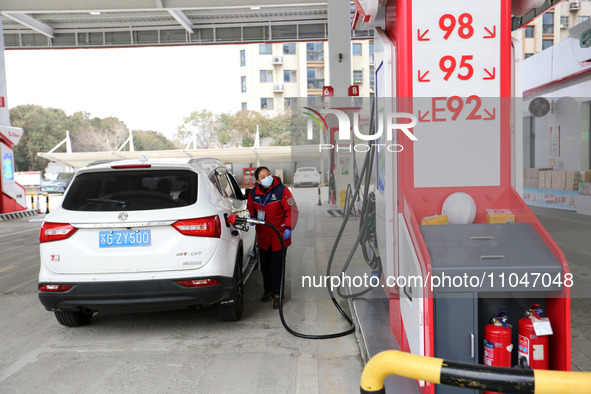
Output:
(497, 342)
(533, 341)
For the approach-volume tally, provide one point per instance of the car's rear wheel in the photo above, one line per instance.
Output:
(72, 319)
(232, 311)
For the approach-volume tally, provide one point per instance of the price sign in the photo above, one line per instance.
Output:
(456, 47)
(327, 91)
(456, 52)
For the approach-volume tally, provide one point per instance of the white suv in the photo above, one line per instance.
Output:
(140, 235)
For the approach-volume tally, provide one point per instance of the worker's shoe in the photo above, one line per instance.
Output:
(276, 301)
(266, 296)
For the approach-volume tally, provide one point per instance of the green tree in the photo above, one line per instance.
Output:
(43, 129)
(201, 124)
(224, 130)
(280, 129)
(244, 127)
(151, 140)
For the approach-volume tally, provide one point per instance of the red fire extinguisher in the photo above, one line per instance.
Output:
(497, 342)
(533, 338)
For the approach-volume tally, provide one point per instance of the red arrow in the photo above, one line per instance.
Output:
(422, 77)
(423, 117)
(491, 34)
(491, 116)
(490, 76)
(422, 36)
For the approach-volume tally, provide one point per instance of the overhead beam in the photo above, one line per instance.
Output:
(30, 22)
(178, 16)
(182, 19)
(35, 6)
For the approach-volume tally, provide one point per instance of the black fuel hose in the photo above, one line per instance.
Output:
(281, 291)
(365, 172)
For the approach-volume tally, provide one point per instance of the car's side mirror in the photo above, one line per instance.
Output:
(246, 193)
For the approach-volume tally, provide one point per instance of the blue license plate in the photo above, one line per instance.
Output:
(113, 239)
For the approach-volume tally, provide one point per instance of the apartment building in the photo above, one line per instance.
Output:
(273, 75)
(553, 26)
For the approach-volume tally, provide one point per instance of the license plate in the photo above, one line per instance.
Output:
(114, 239)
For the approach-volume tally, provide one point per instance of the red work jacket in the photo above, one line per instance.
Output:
(280, 210)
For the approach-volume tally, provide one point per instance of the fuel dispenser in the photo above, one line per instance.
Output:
(451, 65)
(13, 197)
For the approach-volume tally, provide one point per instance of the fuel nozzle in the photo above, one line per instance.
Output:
(232, 219)
(236, 220)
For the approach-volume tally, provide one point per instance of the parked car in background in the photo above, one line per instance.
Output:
(143, 235)
(56, 182)
(306, 176)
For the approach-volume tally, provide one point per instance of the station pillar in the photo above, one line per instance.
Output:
(12, 195)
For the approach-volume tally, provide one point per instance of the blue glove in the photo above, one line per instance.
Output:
(287, 234)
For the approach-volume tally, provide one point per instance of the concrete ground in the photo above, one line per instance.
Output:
(176, 351)
(572, 232)
(190, 351)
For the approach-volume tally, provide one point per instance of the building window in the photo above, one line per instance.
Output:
(528, 55)
(357, 77)
(372, 77)
(371, 52)
(356, 49)
(581, 19)
(314, 52)
(564, 22)
(287, 103)
(242, 58)
(529, 32)
(265, 49)
(315, 77)
(315, 101)
(289, 76)
(243, 84)
(289, 49)
(266, 103)
(547, 44)
(548, 23)
(244, 106)
(266, 76)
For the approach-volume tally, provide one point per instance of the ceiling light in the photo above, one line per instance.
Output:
(255, 8)
(94, 12)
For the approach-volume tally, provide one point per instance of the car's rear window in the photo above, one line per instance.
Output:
(131, 190)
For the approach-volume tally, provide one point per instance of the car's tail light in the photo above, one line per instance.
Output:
(199, 282)
(55, 231)
(54, 288)
(200, 227)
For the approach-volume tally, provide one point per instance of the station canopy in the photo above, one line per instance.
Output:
(34, 24)
(267, 154)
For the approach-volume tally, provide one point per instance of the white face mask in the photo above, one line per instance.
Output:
(268, 181)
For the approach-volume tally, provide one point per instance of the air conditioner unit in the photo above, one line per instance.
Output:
(278, 88)
(277, 59)
(575, 5)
